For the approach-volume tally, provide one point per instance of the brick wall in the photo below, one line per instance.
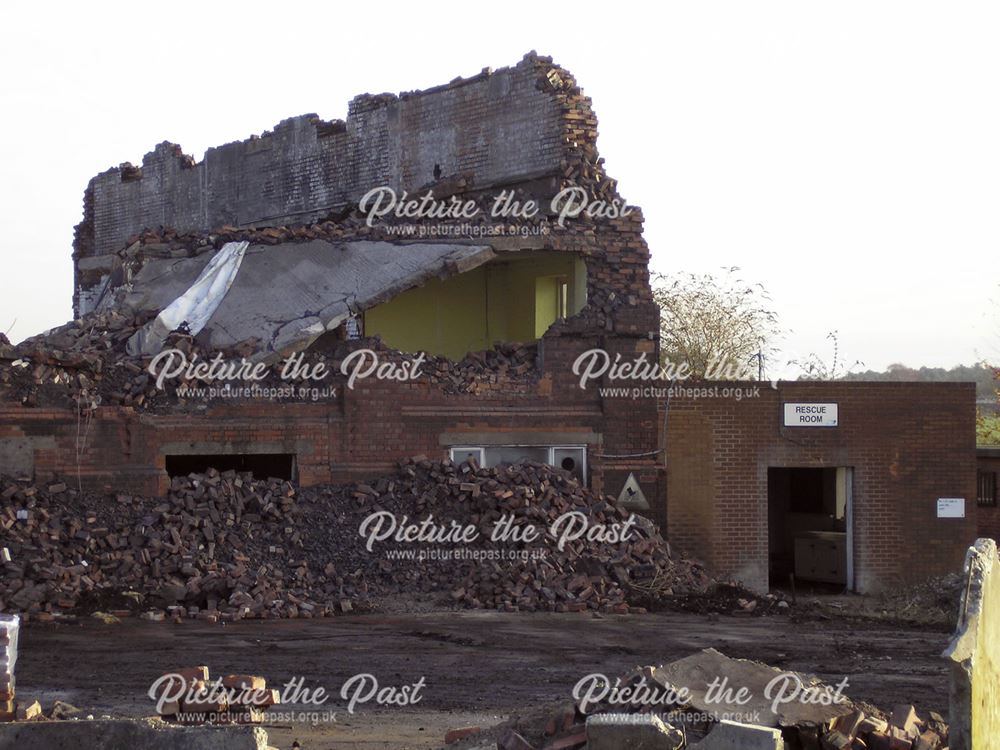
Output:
(908, 444)
(358, 435)
(512, 126)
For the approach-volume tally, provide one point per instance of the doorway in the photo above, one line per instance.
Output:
(810, 513)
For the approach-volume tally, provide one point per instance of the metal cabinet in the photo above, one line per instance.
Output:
(821, 556)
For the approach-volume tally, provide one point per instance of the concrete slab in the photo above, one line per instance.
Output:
(288, 295)
(974, 653)
(729, 735)
(715, 682)
(635, 731)
(142, 734)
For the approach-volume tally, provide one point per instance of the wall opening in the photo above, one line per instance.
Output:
(809, 512)
(262, 465)
(571, 458)
(514, 299)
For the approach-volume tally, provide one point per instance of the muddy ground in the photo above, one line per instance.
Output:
(479, 667)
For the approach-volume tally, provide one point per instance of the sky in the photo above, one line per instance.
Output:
(844, 155)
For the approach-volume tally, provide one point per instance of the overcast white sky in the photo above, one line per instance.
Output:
(846, 155)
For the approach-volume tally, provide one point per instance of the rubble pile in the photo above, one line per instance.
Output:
(933, 602)
(568, 728)
(506, 362)
(188, 696)
(496, 571)
(84, 364)
(226, 546)
(689, 715)
(217, 547)
(83, 361)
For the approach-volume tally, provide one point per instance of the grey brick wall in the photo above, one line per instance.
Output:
(499, 126)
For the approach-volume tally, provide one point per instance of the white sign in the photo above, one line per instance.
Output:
(951, 507)
(810, 415)
(632, 495)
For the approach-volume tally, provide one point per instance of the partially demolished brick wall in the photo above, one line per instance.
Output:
(528, 128)
(123, 443)
(527, 125)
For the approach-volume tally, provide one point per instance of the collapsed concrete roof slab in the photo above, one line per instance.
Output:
(774, 697)
(288, 295)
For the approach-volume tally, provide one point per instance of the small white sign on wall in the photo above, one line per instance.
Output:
(951, 507)
(811, 415)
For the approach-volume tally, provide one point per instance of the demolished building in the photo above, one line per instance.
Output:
(314, 273)
(263, 251)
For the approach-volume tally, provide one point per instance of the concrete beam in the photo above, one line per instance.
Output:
(730, 735)
(974, 653)
(634, 731)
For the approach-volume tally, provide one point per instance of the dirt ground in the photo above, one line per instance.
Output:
(478, 667)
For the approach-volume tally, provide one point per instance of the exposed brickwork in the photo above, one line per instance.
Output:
(908, 444)
(359, 435)
(525, 125)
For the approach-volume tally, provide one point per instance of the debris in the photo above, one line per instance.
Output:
(454, 735)
(809, 715)
(29, 711)
(697, 672)
(730, 735)
(9, 627)
(224, 546)
(636, 731)
(233, 699)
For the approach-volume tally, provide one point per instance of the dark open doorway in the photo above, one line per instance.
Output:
(808, 521)
(262, 465)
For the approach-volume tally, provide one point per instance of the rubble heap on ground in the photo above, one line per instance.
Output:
(673, 706)
(190, 696)
(216, 543)
(226, 546)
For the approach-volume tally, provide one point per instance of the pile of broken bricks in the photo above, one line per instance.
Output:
(225, 547)
(233, 699)
(216, 548)
(720, 722)
(904, 730)
(84, 364)
(611, 731)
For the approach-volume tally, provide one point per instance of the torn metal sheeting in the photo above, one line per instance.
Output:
(288, 295)
(195, 307)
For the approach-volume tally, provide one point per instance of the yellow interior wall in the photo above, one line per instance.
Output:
(546, 303)
(508, 299)
(441, 317)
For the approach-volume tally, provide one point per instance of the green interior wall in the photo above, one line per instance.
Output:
(508, 299)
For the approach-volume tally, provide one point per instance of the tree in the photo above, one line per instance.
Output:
(988, 424)
(719, 325)
(815, 367)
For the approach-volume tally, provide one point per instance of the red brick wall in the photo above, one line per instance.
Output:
(908, 443)
(358, 435)
(989, 517)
